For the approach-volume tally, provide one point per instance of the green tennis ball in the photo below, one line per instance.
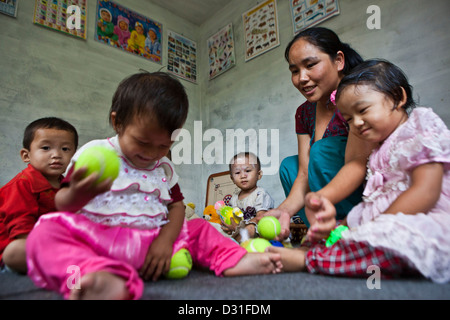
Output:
(180, 265)
(256, 245)
(101, 160)
(269, 227)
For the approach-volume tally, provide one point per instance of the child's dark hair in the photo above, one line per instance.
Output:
(246, 155)
(157, 94)
(328, 42)
(383, 76)
(47, 123)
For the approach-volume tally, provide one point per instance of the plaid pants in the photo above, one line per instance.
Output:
(350, 258)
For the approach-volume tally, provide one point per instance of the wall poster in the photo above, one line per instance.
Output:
(9, 7)
(182, 57)
(307, 13)
(53, 14)
(129, 31)
(221, 51)
(261, 29)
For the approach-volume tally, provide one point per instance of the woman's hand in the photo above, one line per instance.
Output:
(285, 221)
(321, 214)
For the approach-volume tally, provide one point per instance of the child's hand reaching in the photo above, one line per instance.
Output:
(321, 214)
(80, 191)
(229, 228)
(157, 261)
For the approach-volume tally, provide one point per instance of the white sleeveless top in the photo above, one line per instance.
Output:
(138, 197)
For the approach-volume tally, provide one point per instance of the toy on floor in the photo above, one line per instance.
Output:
(256, 245)
(227, 213)
(269, 227)
(180, 265)
(335, 235)
(210, 214)
(189, 212)
(101, 160)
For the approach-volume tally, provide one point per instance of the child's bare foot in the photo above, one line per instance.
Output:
(101, 285)
(292, 259)
(256, 263)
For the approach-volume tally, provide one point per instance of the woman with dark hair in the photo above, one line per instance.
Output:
(329, 161)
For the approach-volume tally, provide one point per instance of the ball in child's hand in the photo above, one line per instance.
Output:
(256, 245)
(269, 227)
(180, 265)
(101, 160)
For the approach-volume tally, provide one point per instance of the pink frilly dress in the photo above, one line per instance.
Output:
(423, 239)
(114, 231)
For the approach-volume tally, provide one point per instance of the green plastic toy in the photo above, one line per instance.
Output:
(335, 235)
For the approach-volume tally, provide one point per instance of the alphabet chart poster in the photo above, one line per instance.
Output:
(307, 13)
(53, 14)
(261, 29)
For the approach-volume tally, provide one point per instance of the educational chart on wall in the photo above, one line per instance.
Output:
(9, 7)
(182, 56)
(261, 29)
(221, 51)
(53, 14)
(307, 13)
(129, 31)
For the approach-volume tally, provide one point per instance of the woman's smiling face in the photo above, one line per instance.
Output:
(313, 72)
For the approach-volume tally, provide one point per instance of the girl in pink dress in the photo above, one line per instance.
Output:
(403, 223)
(110, 236)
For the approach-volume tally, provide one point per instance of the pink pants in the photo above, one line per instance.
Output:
(63, 241)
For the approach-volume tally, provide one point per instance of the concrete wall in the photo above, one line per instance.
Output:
(256, 94)
(45, 73)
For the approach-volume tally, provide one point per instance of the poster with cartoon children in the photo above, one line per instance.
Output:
(127, 30)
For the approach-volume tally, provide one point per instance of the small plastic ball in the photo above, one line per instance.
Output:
(101, 160)
(269, 227)
(256, 245)
(180, 265)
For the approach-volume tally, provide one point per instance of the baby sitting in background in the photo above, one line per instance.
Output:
(254, 201)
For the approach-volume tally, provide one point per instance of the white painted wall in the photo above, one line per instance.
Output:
(414, 35)
(44, 73)
(47, 73)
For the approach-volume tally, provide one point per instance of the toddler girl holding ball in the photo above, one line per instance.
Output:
(109, 235)
(402, 225)
(254, 201)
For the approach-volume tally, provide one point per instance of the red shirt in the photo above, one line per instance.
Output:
(305, 122)
(22, 201)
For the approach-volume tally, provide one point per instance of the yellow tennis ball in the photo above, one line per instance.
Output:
(269, 227)
(101, 160)
(180, 265)
(256, 245)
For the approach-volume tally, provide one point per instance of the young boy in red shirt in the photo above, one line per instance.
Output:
(48, 146)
